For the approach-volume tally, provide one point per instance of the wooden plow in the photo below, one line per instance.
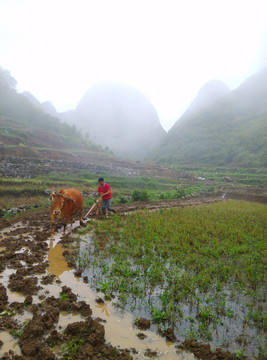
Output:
(95, 208)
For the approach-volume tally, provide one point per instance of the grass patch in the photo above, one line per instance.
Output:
(193, 268)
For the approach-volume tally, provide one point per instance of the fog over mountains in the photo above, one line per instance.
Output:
(119, 117)
(220, 127)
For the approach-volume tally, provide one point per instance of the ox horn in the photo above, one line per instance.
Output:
(65, 197)
(51, 196)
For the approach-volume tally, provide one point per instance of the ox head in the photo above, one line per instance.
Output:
(58, 202)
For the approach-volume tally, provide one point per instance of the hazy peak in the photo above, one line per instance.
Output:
(208, 94)
(49, 108)
(31, 98)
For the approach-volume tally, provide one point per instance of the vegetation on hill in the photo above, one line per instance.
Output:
(24, 125)
(231, 131)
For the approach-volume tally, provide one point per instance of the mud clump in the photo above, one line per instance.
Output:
(169, 334)
(8, 323)
(100, 301)
(150, 353)
(3, 298)
(204, 352)
(45, 354)
(31, 340)
(28, 300)
(54, 338)
(26, 286)
(141, 336)
(48, 279)
(82, 308)
(90, 334)
(143, 324)
(78, 273)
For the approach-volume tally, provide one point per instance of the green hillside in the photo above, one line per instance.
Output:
(229, 131)
(25, 130)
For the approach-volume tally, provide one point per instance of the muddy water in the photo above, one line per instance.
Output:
(57, 262)
(12, 296)
(10, 343)
(118, 326)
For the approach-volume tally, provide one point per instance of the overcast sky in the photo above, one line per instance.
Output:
(168, 49)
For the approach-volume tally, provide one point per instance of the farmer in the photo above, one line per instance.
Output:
(105, 193)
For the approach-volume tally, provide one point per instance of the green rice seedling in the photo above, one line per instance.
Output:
(71, 348)
(105, 286)
(204, 331)
(191, 333)
(17, 333)
(199, 262)
(230, 312)
(239, 354)
(63, 297)
(157, 315)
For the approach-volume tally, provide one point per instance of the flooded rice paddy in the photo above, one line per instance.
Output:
(119, 329)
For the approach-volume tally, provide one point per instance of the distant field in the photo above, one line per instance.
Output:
(15, 192)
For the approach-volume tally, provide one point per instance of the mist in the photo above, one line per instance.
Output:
(167, 50)
(119, 117)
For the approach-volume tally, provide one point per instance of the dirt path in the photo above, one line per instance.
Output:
(167, 204)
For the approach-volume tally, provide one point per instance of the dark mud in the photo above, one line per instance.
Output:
(23, 260)
(204, 351)
(143, 324)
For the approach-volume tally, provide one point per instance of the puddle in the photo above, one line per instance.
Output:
(119, 330)
(22, 250)
(66, 319)
(57, 262)
(10, 343)
(12, 296)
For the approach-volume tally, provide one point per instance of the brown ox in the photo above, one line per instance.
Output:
(65, 204)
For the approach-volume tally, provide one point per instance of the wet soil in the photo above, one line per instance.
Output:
(204, 351)
(34, 295)
(24, 275)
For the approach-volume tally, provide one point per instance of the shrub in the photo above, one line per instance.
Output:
(139, 195)
(122, 200)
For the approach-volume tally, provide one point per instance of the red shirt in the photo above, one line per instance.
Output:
(103, 189)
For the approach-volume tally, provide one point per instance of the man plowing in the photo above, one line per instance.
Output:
(106, 196)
